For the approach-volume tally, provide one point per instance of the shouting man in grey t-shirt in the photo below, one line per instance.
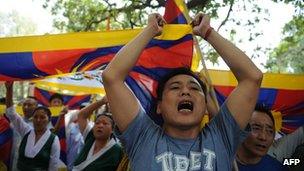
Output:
(180, 144)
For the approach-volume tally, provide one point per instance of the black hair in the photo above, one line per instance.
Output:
(56, 96)
(178, 71)
(264, 109)
(47, 110)
(108, 115)
(32, 97)
(2, 100)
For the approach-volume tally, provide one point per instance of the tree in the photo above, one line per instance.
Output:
(289, 55)
(13, 24)
(94, 15)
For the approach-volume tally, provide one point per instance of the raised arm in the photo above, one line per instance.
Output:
(60, 120)
(85, 113)
(9, 94)
(242, 100)
(123, 103)
(19, 124)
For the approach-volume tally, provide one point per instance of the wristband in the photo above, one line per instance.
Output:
(208, 32)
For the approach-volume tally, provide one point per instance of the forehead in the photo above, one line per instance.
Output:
(103, 118)
(261, 118)
(56, 99)
(40, 112)
(182, 78)
(29, 101)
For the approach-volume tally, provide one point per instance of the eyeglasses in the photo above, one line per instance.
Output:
(258, 128)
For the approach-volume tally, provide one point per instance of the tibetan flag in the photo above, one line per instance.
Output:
(43, 56)
(6, 140)
(74, 84)
(34, 57)
(283, 94)
(176, 12)
(73, 102)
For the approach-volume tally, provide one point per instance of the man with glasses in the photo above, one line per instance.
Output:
(252, 153)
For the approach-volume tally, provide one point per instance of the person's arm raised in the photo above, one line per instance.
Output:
(242, 100)
(123, 103)
(85, 113)
(9, 94)
(60, 120)
(19, 124)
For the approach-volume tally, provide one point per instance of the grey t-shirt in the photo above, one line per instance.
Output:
(285, 146)
(149, 148)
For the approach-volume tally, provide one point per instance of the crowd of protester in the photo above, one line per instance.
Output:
(121, 136)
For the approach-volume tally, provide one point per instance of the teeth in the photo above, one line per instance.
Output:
(185, 106)
(262, 146)
(185, 110)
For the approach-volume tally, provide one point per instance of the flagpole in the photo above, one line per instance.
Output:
(200, 56)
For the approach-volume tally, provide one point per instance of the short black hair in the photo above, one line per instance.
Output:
(47, 110)
(178, 71)
(2, 100)
(108, 115)
(32, 97)
(262, 108)
(56, 96)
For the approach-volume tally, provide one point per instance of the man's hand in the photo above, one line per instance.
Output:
(200, 24)
(156, 22)
(104, 100)
(64, 111)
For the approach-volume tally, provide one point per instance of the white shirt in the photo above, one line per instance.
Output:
(32, 149)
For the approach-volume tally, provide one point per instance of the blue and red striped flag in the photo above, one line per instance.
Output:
(42, 56)
(176, 12)
(73, 102)
(283, 94)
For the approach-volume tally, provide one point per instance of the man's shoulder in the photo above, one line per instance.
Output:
(268, 158)
(272, 162)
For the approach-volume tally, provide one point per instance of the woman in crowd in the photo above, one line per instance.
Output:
(39, 148)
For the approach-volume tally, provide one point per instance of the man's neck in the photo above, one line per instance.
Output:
(244, 156)
(190, 133)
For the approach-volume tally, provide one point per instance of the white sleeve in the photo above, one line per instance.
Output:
(55, 155)
(86, 131)
(285, 146)
(19, 124)
(71, 117)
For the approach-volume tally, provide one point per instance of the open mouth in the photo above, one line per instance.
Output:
(261, 146)
(185, 106)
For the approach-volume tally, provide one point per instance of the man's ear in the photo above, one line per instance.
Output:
(158, 109)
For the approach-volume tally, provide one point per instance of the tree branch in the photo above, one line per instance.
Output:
(228, 14)
(90, 23)
(195, 3)
(161, 2)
